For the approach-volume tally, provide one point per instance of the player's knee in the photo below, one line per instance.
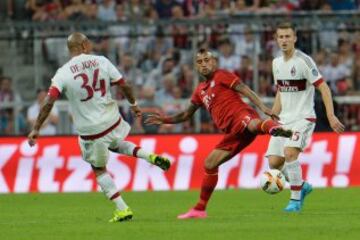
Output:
(291, 155)
(210, 165)
(275, 165)
(98, 170)
(253, 126)
(276, 162)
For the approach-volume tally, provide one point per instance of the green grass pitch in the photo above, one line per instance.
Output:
(233, 214)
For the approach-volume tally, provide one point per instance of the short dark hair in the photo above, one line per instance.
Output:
(286, 25)
(225, 41)
(5, 78)
(202, 51)
(205, 51)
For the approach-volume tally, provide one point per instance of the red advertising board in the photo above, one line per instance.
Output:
(55, 164)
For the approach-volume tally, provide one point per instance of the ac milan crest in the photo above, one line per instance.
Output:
(293, 71)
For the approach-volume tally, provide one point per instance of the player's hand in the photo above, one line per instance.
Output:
(270, 113)
(136, 110)
(32, 137)
(154, 119)
(335, 124)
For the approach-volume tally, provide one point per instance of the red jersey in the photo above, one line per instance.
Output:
(225, 105)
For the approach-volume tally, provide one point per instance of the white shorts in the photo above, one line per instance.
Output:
(96, 152)
(302, 131)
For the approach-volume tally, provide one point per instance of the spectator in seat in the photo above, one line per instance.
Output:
(227, 59)
(355, 75)
(345, 53)
(76, 11)
(49, 127)
(11, 118)
(156, 75)
(337, 75)
(245, 71)
(148, 105)
(130, 72)
(186, 80)
(106, 11)
(163, 8)
(8, 95)
(11, 123)
(165, 93)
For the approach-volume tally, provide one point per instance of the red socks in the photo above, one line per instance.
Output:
(265, 126)
(207, 187)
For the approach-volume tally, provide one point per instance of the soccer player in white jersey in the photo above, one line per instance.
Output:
(86, 81)
(296, 77)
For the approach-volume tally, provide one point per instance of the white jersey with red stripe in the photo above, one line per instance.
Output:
(86, 81)
(296, 80)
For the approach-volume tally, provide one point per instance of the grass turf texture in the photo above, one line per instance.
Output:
(233, 214)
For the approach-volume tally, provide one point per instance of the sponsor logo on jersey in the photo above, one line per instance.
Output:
(291, 85)
(212, 84)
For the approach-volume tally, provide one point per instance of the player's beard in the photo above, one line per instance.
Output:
(207, 75)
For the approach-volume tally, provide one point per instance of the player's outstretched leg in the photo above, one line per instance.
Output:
(207, 187)
(273, 128)
(130, 149)
(160, 161)
(122, 212)
(121, 215)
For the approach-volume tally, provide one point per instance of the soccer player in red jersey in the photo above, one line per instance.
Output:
(220, 95)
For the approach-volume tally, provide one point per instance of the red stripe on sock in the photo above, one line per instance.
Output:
(116, 195)
(212, 171)
(136, 149)
(296, 188)
(258, 127)
(267, 125)
(208, 185)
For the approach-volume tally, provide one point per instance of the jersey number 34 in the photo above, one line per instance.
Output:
(90, 89)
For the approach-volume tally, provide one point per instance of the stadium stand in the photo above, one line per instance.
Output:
(152, 41)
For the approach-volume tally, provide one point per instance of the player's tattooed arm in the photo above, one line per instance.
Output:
(44, 112)
(43, 115)
(254, 98)
(177, 118)
(128, 92)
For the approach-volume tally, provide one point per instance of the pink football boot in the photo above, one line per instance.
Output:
(193, 213)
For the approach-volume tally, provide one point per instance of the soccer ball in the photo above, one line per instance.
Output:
(272, 181)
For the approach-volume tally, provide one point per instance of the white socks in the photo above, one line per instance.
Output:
(294, 173)
(108, 187)
(129, 148)
(283, 170)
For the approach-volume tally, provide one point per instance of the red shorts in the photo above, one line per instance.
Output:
(236, 142)
(239, 137)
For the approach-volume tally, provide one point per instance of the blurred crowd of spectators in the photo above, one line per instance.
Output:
(107, 10)
(15, 119)
(158, 62)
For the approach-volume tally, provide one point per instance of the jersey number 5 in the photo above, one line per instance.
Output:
(90, 89)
